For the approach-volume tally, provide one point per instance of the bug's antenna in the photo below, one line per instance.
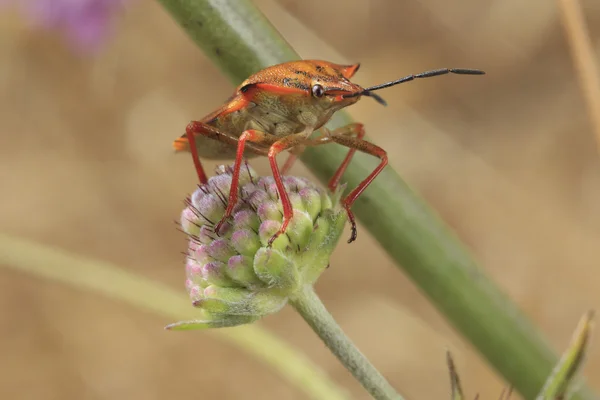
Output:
(375, 96)
(427, 74)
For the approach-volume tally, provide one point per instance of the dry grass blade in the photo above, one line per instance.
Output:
(561, 379)
(585, 59)
(456, 388)
(457, 393)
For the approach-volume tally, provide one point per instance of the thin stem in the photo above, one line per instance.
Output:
(117, 284)
(310, 307)
(584, 57)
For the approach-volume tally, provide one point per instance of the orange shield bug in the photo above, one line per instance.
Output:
(277, 109)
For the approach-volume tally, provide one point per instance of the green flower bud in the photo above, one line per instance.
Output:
(219, 249)
(214, 274)
(246, 242)
(240, 269)
(269, 211)
(300, 228)
(236, 278)
(267, 229)
(311, 201)
(246, 219)
(276, 269)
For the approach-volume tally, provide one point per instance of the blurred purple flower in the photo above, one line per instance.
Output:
(85, 23)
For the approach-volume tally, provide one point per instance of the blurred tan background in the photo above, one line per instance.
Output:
(509, 161)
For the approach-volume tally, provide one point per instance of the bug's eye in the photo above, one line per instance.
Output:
(317, 91)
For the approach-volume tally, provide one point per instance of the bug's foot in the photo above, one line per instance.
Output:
(354, 231)
(275, 236)
(219, 225)
(281, 230)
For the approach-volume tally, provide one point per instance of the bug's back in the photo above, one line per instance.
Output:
(276, 100)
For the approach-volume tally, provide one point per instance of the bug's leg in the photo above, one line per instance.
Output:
(366, 147)
(288, 163)
(192, 129)
(187, 142)
(294, 153)
(348, 130)
(251, 135)
(286, 143)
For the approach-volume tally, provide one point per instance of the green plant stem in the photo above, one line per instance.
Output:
(310, 307)
(240, 41)
(117, 284)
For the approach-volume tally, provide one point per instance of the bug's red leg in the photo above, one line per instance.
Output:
(187, 142)
(351, 129)
(251, 135)
(277, 147)
(365, 147)
(294, 153)
(288, 163)
(192, 129)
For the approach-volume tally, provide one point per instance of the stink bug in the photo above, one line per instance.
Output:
(278, 109)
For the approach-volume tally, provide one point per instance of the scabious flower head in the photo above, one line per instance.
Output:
(85, 23)
(236, 278)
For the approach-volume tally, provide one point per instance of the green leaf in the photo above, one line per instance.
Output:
(221, 322)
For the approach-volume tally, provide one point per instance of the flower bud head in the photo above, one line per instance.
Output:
(236, 277)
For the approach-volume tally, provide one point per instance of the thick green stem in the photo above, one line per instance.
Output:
(310, 307)
(108, 280)
(241, 41)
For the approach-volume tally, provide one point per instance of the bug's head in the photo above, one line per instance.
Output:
(333, 84)
(332, 87)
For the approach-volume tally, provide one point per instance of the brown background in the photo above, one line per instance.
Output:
(509, 161)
